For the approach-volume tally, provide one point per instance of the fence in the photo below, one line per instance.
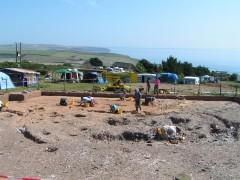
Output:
(202, 89)
(223, 89)
(8, 85)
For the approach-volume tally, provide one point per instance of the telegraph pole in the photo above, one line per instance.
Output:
(20, 57)
(18, 53)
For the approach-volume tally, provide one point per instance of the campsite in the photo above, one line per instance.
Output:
(47, 132)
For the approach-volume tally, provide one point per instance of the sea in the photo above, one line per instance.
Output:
(227, 60)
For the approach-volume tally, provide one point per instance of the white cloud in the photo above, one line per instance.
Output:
(93, 3)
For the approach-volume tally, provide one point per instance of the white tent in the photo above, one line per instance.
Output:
(5, 81)
(191, 80)
(142, 78)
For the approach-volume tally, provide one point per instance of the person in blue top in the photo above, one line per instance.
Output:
(113, 108)
(137, 98)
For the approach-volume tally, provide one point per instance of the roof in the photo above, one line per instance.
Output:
(62, 71)
(191, 77)
(92, 70)
(94, 73)
(3, 74)
(26, 71)
(206, 76)
(147, 74)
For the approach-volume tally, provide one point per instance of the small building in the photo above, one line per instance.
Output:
(22, 77)
(124, 65)
(191, 80)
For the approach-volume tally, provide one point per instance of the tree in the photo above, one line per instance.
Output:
(171, 65)
(140, 68)
(67, 65)
(95, 62)
(201, 71)
(148, 67)
(187, 69)
(233, 77)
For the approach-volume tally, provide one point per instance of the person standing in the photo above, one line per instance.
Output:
(156, 85)
(148, 85)
(25, 82)
(137, 98)
(123, 95)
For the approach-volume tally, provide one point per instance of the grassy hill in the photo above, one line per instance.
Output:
(51, 54)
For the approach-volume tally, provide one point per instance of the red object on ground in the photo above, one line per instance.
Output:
(2, 176)
(6, 177)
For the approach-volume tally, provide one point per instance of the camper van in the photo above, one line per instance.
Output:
(191, 80)
(117, 69)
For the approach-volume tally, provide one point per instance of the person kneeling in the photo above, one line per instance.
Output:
(113, 108)
(166, 132)
(89, 100)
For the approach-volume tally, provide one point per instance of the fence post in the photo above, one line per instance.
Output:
(199, 89)
(6, 85)
(38, 85)
(236, 90)
(220, 89)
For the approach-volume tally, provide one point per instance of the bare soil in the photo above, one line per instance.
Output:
(40, 138)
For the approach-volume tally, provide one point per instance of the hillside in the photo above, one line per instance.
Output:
(53, 47)
(51, 54)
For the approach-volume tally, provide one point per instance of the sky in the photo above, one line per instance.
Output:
(207, 24)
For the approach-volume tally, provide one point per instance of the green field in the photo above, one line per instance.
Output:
(50, 54)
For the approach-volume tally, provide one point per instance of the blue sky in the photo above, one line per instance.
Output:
(122, 23)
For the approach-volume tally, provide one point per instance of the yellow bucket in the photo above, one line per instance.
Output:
(87, 104)
(120, 111)
(5, 104)
(130, 98)
(71, 102)
(159, 131)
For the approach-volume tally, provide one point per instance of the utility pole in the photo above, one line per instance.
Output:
(20, 57)
(18, 53)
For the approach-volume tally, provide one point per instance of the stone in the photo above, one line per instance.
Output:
(183, 176)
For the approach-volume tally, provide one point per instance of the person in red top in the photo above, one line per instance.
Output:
(156, 85)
